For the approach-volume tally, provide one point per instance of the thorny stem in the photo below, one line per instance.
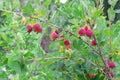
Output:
(99, 52)
(104, 60)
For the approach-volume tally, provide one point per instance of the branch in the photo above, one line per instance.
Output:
(38, 59)
(101, 54)
(61, 58)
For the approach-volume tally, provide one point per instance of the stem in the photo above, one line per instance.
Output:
(104, 61)
(49, 58)
(38, 59)
(79, 59)
(102, 56)
(110, 24)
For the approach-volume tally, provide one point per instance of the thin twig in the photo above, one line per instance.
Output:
(38, 59)
(49, 58)
(110, 24)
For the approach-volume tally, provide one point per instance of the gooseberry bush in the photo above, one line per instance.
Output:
(58, 40)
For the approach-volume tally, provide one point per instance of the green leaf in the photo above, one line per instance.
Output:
(4, 36)
(108, 32)
(77, 44)
(80, 77)
(102, 78)
(56, 1)
(47, 2)
(14, 65)
(117, 11)
(96, 13)
(29, 9)
(111, 13)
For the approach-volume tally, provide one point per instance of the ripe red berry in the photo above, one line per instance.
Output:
(112, 74)
(29, 28)
(54, 36)
(89, 33)
(81, 32)
(66, 42)
(94, 43)
(86, 28)
(37, 28)
(111, 65)
(62, 36)
(92, 76)
(56, 31)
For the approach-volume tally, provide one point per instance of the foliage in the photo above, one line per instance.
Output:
(22, 57)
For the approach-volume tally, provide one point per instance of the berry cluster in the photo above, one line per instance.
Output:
(84, 31)
(55, 35)
(36, 27)
(111, 66)
(87, 31)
